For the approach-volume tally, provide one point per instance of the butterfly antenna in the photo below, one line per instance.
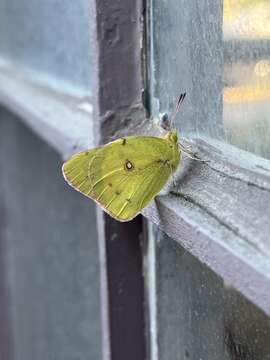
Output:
(177, 108)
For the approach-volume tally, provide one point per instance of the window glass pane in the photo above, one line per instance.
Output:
(246, 74)
(219, 53)
(50, 38)
(193, 313)
(49, 278)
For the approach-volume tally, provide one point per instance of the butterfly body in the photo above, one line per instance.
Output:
(125, 175)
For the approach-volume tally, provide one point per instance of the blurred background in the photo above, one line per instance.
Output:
(49, 282)
(246, 33)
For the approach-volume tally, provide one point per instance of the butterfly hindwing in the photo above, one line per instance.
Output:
(122, 176)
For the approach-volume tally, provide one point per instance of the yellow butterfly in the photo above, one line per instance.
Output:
(126, 174)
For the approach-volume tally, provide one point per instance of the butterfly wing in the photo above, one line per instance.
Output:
(124, 175)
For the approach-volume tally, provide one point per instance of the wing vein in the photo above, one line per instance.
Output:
(141, 205)
(115, 196)
(133, 194)
(105, 177)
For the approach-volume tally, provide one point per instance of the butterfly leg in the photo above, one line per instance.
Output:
(186, 147)
(179, 194)
(190, 154)
(186, 150)
(173, 177)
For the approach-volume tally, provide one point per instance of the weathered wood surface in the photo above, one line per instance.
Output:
(220, 212)
(63, 121)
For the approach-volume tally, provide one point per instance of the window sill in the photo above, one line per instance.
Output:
(215, 212)
(64, 121)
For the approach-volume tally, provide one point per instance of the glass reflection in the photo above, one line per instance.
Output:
(246, 94)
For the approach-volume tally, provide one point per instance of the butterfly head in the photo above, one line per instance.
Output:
(172, 137)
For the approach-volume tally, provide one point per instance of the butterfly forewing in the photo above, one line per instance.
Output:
(123, 176)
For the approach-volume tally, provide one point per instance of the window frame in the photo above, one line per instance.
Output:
(117, 100)
(119, 61)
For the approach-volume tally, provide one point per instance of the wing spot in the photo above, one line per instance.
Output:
(128, 200)
(117, 192)
(129, 165)
(110, 184)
